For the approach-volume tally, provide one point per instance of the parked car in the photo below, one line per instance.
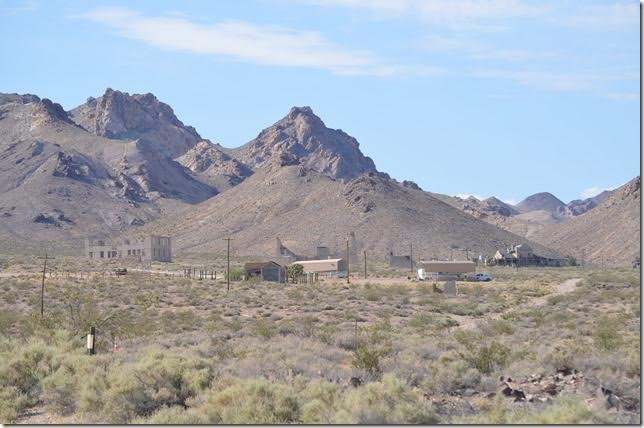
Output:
(480, 277)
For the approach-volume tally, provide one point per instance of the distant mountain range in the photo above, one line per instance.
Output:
(125, 164)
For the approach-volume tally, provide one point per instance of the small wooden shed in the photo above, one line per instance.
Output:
(266, 271)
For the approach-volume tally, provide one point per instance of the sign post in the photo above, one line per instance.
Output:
(91, 340)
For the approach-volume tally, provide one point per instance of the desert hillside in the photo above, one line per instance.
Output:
(610, 233)
(305, 208)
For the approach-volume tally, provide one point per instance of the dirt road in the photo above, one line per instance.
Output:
(468, 322)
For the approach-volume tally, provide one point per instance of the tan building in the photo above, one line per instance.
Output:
(150, 248)
(328, 266)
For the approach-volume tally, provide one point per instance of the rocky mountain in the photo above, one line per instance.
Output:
(60, 182)
(121, 116)
(302, 136)
(580, 206)
(543, 201)
(121, 163)
(609, 233)
(306, 208)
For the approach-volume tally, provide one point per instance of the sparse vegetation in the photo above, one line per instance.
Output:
(381, 351)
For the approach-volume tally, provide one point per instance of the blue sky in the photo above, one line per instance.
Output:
(482, 97)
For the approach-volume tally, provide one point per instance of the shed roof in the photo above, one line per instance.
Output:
(311, 262)
(261, 265)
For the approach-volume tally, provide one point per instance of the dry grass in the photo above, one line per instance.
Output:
(293, 349)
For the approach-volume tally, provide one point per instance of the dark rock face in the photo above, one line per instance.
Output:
(411, 185)
(358, 192)
(54, 218)
(76, 167)
(119, 115)
(302, 135)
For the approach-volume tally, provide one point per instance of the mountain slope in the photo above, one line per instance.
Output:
(211, 165)
(609, 233)
(302, 136)
(305, 208)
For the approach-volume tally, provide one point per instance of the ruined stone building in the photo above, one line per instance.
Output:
(150, 248)
(400, 262)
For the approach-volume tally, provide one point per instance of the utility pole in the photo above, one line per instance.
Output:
(348, 262)
(42, 287)
(365, 264)
(228, 271)
(411, 258)
(583, 258)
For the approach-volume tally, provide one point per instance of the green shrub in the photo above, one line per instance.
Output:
(321, 401)
(450, 375)
(12, 402)
(490, 357)
(265, 329)
(250, 401)
(387, 402)
(175, 415)
(372, 344)
(428, 322)
(28, 367)
(606, 335)
(157, 380)
(59, 389)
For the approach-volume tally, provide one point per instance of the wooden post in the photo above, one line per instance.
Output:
(42, 287)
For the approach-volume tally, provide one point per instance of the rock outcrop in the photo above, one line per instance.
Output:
(119, 115)
(303, 135)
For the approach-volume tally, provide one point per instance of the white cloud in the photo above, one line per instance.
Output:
(468, 195)
(13, 7)
(611, 16)
(243, 41)
(594, 191)
(474, 49)
(557, 81)
(510, 201)
(461, 15)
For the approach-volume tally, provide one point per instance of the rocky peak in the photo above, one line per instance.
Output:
(119, 115)
(303, 136)
(42, 109)
(494, 205)
(541, 201)
(52, 110)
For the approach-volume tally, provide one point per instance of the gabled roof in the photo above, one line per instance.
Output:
(261, 265)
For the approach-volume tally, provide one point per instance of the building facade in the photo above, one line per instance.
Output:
(151, 248)
(266, 271)
(331, 267)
